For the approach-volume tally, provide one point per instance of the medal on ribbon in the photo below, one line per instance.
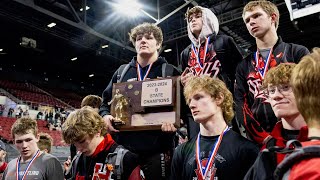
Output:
(261, 65)
(28, 166)
(205, 169)
(139, 69)
(196, 52)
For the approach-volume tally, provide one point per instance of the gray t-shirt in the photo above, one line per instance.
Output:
(45, 167)
(264, 53)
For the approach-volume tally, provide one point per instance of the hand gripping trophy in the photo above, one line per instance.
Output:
(121, 108)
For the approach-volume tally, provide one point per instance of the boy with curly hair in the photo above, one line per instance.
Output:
(291, 125)
(217, 150)
(86, 129)
(154, 147)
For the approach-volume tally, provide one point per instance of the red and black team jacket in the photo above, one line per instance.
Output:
(252, 110)
(267, 160)
(304, 164)
(222, 58)
(280, 141)
(95, 167)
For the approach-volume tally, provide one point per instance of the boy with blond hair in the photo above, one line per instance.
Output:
(305, 83)
(217, 150)
(94, 102)
(3, 154)
(85, 129)
(32, 163)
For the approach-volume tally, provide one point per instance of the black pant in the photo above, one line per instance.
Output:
(156, 166)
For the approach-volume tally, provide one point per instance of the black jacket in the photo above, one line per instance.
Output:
(85, 167)
(223, 49)
(221, 61)
(140, 142)
(252, 112)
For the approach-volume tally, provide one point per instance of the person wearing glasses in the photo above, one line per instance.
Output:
(291, 125)
(305, 83)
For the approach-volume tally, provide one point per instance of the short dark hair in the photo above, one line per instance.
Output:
(24, 126)
(92, 101)
(45, 142)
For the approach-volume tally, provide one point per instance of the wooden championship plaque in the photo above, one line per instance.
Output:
(145, 105)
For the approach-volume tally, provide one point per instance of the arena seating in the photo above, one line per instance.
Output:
(70, 98)
(30, 93)
(7, 122)
(5, 127)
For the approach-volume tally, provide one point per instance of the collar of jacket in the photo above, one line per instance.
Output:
(276, 132)
(159, 61)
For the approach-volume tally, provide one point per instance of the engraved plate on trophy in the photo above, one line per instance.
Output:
(146, 105)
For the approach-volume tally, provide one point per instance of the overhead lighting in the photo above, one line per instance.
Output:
(130, 8)
(87, 8)
(1, 50)
(104, 46)
(91, 75)
(73, 59)
(167, 50)
(51, 25)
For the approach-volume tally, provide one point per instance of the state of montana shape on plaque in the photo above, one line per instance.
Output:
(145, 105)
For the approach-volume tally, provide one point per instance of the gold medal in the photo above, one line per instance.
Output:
(136, 93)
(130, 86)
(110, 167)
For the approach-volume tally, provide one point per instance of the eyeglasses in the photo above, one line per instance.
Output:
(284, 89)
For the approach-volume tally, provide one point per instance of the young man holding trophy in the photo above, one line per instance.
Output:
(154, 147)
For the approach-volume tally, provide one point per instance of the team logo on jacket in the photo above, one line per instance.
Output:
(211, 172)
(210, 66)
(254, 82)
(101, 172)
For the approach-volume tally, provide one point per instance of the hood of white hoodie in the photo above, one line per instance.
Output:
(210, 25)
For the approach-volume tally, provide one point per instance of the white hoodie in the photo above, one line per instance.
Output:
(210, 25)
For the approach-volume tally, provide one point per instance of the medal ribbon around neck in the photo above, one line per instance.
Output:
(204, 170)
(139, 69)
(197, 52)
(28, 166)
(263, 70)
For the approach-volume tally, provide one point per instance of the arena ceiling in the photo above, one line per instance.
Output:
(82, 34)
